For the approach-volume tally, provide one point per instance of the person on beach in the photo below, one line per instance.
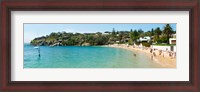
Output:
(154, 53)
(174, 54)
(127, 45)
(169, 54)
(160, 52)
(163, 53)
(151, 50)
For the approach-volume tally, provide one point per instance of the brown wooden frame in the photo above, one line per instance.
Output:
(100, 5)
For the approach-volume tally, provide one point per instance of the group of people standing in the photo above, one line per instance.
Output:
(163, 53)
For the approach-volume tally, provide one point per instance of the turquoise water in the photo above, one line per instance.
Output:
(84, 57)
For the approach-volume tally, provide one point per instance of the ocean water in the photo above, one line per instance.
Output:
(84, 57)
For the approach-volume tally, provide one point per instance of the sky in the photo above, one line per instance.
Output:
(32, 31)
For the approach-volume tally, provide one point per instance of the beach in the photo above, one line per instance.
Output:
(164, 59)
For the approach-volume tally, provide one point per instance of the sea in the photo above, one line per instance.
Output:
(84, 57)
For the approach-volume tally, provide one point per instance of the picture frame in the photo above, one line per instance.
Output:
(88, 5)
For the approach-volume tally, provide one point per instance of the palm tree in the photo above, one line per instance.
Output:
(168, 31)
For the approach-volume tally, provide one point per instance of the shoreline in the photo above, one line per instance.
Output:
(164, 60)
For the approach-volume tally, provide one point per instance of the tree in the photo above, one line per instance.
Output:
(152, 32)
(98, 33)
(113, 32)
(131, 30)
(53, 34)
(148, 33)
(131, 35)
(136, 34)
(168, 31)
(140, 31)
(158, 32)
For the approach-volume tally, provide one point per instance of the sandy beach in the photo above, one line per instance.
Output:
(164, 59)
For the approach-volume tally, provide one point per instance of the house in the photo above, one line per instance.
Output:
(144, 39)
(105, 33)
(172, 40)
(126, 40)
(173, 35)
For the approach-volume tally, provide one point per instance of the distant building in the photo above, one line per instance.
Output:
(89, 33)
(105, 33)
(125, 39)
(172, 40)
(173, 35)
(144, 39)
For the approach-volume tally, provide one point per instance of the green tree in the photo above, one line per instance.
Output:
(158, 32)
(113, 32)
(131, 30)
(168, 31)
(152, 32)
(141, 33)
(148, 33)
(131, 36)
(136, 34)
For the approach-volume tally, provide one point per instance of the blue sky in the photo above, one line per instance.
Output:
(32, 31)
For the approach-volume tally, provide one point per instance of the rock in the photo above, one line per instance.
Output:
(86, 44)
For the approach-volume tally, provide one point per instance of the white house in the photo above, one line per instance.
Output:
(144, 39)
(172, 40)
(173, 35)
(105, 33)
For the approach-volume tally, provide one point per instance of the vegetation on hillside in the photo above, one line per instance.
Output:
(108, 37)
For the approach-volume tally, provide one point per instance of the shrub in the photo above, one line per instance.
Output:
(146, 44)
(137, 43)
